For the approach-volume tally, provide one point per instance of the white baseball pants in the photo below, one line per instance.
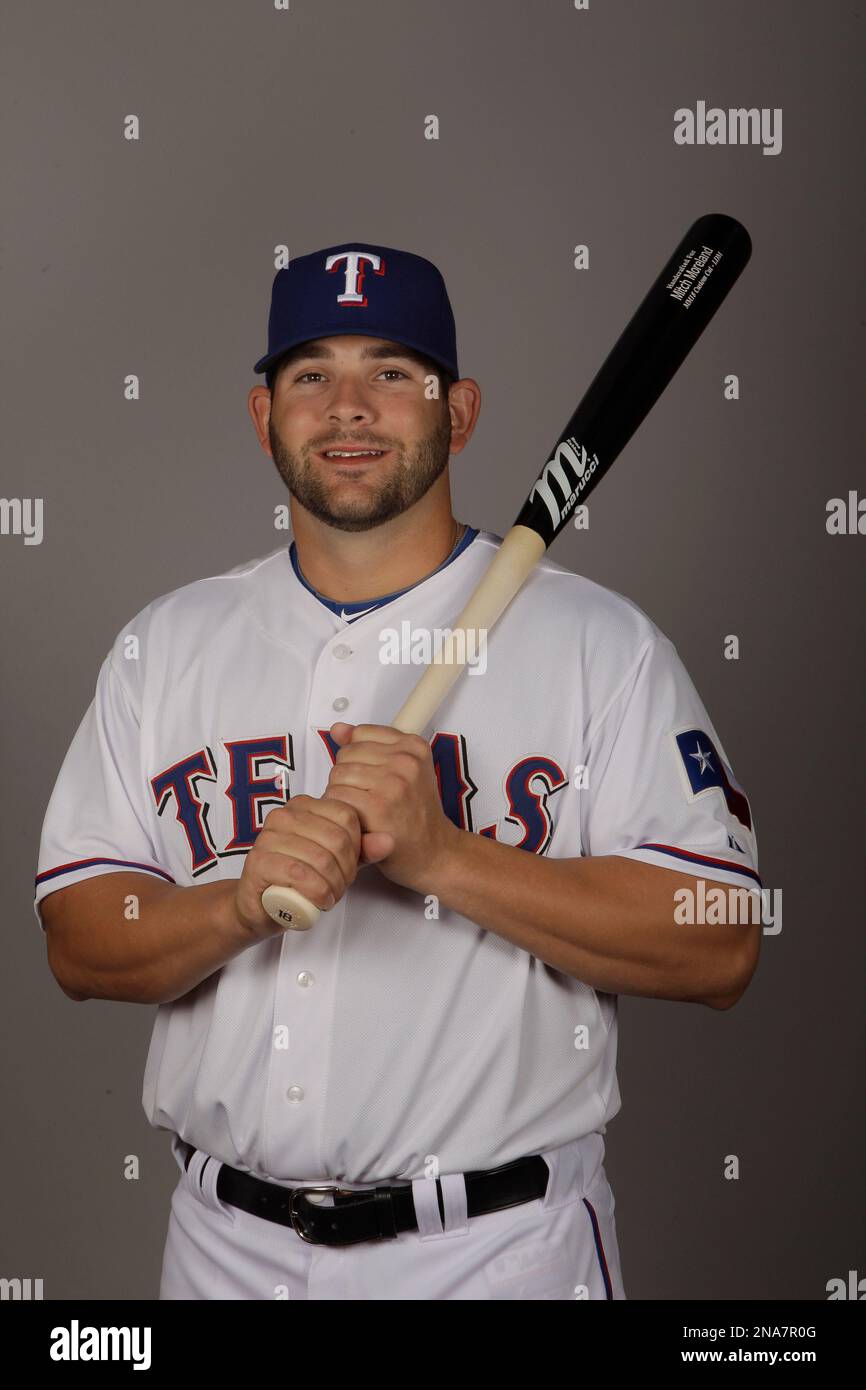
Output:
(559, 1246)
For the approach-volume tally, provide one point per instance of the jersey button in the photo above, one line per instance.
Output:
(295, 1094)
(341, 651)
(305, 979)
(340, 702)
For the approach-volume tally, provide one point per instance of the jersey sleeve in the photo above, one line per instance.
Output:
(97, 821)
(660, 787)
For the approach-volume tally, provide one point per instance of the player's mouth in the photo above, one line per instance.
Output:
(353, 456)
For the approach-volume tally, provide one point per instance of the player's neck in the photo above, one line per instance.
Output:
(349, 566)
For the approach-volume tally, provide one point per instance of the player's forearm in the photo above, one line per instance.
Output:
(178, 938)
(606, 921)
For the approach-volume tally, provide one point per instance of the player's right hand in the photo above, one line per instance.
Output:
(312, 844)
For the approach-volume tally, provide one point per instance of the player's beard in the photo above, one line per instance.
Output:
(404, 479)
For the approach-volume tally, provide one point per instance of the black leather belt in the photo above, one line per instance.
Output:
(379, 1213)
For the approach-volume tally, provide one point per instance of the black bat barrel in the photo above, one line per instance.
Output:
(663, 330)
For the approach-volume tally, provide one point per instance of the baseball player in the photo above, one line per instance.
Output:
(407, 1101)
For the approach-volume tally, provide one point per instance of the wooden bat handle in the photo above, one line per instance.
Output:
(516, 558)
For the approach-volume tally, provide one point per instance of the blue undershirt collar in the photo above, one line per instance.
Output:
(348, 611)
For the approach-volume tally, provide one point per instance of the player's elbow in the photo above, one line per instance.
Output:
(59, 968)
(69, 989)
(722, 1001)
(744, 962)
(72, 993)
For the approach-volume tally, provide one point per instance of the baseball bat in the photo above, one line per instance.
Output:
(665, 327)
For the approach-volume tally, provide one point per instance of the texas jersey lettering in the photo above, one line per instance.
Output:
(190, 789)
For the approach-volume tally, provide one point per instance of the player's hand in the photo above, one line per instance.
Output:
(389, 779)
(309, 844)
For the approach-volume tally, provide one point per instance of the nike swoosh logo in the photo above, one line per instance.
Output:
(350, 617)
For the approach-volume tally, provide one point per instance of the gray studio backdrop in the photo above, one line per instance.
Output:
(305, 127)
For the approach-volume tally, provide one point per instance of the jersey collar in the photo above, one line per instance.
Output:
(350, 611)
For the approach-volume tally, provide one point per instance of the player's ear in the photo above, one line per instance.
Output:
(464, 401)
(259, 406)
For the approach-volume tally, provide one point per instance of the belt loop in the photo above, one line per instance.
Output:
(426, 1203)
(454, 1199)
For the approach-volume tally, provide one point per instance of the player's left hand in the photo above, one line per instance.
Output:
(389, 778)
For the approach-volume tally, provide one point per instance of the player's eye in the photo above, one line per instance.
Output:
(387, 371)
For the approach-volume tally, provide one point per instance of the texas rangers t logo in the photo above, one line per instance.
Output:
(354, 273)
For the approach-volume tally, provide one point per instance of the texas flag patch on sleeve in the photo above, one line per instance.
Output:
(716, 835)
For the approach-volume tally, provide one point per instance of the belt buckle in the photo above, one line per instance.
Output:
(294, 1214)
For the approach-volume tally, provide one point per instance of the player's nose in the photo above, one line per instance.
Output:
(349, 401)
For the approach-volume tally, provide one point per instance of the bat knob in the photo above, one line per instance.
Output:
(289, 908)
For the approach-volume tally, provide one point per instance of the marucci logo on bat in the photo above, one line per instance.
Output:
(570, 468)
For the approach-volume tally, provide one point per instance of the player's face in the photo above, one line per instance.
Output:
(348, 393)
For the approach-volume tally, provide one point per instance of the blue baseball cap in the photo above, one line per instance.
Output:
(358, 288)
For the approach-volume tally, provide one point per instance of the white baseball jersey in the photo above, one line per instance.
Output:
(386, 1034)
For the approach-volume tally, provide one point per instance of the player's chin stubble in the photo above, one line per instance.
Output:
(402, 482)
